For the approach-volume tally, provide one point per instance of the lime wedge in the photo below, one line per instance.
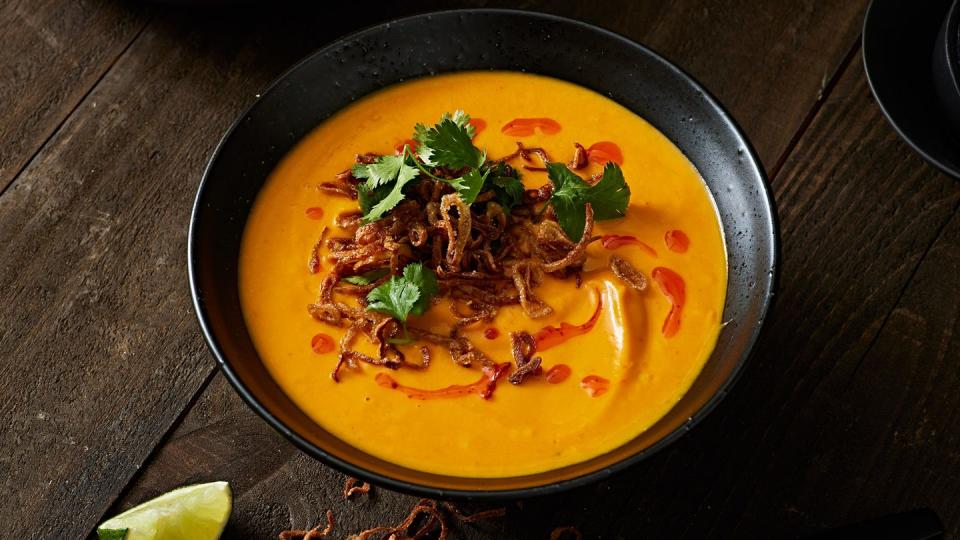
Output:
(196, 512)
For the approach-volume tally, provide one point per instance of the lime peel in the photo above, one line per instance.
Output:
(197, 512)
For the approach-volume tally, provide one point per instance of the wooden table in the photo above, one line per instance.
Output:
(849, 410)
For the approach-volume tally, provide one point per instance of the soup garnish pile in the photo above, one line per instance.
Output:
(439, 218)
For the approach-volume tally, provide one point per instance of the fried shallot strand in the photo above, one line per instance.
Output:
(425, 509)
(579, 160)
(483, 515)
(338, 189)
(315, 532)
(523, 346)
(628, 273)
(352, 487)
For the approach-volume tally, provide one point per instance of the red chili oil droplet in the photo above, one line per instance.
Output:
(551, 336)
(398, 149)
(672, 286)
(479, 124)
(314, 212)
(322, 344)
(595, 385)
(491, 333)
(676, 241)
(524, 127)
(604, 151)
(484, 387)
(615, 241)
(558, 373)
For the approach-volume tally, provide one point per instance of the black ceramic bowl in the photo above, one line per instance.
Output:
(424, 45)
(899, 37)
(946, 65)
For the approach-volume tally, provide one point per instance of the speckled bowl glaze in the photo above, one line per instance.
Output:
(434, 43)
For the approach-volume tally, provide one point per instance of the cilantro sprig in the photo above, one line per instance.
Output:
(609, 197)
(407, 294)
(448, 145)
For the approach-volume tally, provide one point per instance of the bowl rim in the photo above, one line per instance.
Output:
(351, 469)
(866, 37)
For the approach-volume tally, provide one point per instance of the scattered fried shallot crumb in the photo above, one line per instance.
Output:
(579, 160)
(425, 509)
(628, 273)
(476, 516)
(353, 486)
(562, 532)
(315, 532)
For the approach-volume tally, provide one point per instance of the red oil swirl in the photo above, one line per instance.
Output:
(616, 241)
(525, 127)
(672, 286)
(551, 336)
(483, 387)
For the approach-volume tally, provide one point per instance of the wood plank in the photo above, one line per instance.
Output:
(53, 53)
(95, 307)
(278, 487)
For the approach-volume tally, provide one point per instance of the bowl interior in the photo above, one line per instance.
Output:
(480, 40)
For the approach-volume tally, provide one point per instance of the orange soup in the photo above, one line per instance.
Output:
(614, 358)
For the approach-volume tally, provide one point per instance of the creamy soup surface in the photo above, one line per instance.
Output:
(535, 426)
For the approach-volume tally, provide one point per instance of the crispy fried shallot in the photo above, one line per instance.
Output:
(628, 273)
(315, 532)
(425, 511)
(523, 346)
(352, 487)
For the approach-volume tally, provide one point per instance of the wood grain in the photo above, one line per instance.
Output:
(95, 306)
(677, 492)
(53, 52)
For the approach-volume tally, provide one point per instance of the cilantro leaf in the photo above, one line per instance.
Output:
(449, 143)
(406, 294)
(395, 298)
(609, 197)
(367, 277)
(508, 190)
(383, 188)
(385, 204)
(426, 281)
(368, 198)
(385, 170)
(112, 534)
(469, 185)
(506, 185)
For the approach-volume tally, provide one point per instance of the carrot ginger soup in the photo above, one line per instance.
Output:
(484, 274)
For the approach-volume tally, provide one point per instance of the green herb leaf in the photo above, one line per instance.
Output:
(112, 534)
(506, 185)
(449, 143)
(469, 185)
(368, 198)
(609, 197)
(367, 277)
(426, 282)
(383, 188)
(406, 294)
(385, 170)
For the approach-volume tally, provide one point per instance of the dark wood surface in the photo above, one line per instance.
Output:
(108, 395)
